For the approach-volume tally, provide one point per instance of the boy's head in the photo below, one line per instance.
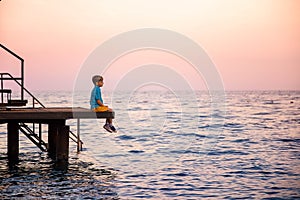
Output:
(98, 80)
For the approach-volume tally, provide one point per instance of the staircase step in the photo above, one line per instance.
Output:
(8, 91)
(17, 102)
(33, 137)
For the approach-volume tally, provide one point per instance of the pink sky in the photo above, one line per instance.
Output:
(255, 44)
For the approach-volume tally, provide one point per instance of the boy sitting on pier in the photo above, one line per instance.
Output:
(97, 102)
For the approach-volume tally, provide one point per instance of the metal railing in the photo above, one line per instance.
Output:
(8, 76)
(22, 68)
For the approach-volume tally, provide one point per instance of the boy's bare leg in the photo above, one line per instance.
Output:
(109, 120)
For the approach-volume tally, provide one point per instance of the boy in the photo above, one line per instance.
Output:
(97, 102)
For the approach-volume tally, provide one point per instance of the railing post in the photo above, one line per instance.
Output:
(2, 88)
(22, 79)
(79, 145)
(40, 133)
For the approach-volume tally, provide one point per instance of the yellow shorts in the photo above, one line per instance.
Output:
(101, 109)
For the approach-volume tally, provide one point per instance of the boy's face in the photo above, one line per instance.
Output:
(100, 83)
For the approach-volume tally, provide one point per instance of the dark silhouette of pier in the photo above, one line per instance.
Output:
(29, 121)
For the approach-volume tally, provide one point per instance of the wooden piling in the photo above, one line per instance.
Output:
(13, 142)
(54, 129)
(62, 148)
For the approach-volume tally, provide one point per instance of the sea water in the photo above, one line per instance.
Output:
(169, 145)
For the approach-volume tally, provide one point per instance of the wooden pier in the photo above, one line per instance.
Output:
(58, 131)
(17, 117)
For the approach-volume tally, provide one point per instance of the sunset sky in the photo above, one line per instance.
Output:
(254, 44)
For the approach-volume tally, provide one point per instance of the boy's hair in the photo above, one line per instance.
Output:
(96, 79)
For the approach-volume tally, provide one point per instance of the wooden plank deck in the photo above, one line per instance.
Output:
(54, 113)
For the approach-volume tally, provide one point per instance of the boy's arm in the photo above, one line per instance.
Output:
(98, 97)
(100, 103)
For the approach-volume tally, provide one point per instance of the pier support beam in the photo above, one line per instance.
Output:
(62, 148)
(53, 131)
(58, 143)
(13, 142)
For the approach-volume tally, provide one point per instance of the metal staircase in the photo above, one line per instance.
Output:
(35, 138)
(33, 133)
